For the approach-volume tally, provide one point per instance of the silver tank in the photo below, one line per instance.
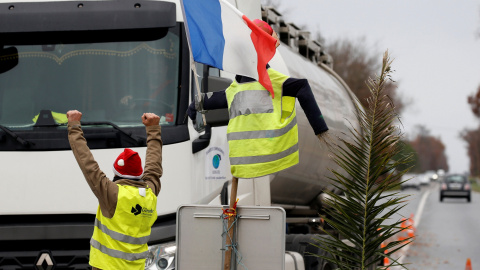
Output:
(301, 184)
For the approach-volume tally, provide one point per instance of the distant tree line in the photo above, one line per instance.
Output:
(472, 136)
(354, 62)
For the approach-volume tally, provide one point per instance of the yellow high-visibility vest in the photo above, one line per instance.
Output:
(120, 242)
(262, 132)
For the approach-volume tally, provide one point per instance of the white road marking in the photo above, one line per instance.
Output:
(419, 213)
(403, 252)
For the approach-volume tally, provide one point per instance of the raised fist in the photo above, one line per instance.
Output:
(74, 115)
(150, 119)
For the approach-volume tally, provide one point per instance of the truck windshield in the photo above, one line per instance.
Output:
(107, 81)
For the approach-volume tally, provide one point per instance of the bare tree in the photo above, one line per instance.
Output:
(472, 136)
(474, 102)
(355, 62)
(430, 151)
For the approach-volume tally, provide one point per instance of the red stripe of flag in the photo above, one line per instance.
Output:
(265, 46)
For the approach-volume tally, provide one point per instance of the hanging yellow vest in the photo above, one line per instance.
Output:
(262, 132)
(120, 242)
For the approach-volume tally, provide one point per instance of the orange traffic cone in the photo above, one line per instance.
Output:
(469, 264)
(386, 261)
(403, 227)
(409, 227)
(411, 222)
(411, 233)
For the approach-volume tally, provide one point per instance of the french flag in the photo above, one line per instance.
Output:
(223, 37)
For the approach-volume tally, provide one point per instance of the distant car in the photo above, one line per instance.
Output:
(431, 175)
(455, 185)
(424, 179)
(411, 181)
(441, 174)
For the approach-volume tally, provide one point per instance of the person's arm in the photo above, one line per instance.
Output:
(211, 101)
(105, 190)
(300, 88)
(153, 160)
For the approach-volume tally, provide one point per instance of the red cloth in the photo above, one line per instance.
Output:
(265, 46)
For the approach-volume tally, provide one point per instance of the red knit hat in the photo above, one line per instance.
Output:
(128, 164)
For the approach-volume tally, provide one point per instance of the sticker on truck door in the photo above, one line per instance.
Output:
(216, 164)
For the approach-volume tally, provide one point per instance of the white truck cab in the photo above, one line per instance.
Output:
(113, 61)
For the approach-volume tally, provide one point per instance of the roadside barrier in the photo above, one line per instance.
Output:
(468, 266)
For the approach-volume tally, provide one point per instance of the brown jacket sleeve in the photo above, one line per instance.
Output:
(153, 161)
(105, 190)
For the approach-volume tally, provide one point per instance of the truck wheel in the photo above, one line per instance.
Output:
(468, 198)
(302, 243)
(326, 264)
(441, 198)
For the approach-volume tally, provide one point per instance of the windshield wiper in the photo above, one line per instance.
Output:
(106, 123)
(16, 137)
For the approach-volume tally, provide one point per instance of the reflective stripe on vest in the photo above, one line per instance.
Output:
(261, 140)
(121, 237)
(255, 101)
(259, 134)
(263, 159)
(118, 254)
(120, 242)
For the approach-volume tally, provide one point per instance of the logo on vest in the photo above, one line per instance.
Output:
(137, 210)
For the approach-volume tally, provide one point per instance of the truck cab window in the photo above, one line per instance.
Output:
(107, 81)
(213, 72)
(112, 79)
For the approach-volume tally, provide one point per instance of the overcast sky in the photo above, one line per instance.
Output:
(436, 51)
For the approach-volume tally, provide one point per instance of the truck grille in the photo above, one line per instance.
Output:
(66, 238)
(26, 260)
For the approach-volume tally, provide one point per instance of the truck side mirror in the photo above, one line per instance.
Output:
(8, 59)
(214, 118)
(218, 117)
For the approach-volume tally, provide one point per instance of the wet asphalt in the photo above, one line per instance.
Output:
(448, 232)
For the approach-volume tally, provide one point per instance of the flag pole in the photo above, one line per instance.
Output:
(192, 65)
(197, 85)
(229, 238)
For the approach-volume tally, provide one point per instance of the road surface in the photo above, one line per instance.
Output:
(447, 232)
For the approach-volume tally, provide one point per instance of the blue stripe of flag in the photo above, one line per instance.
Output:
(206, 31)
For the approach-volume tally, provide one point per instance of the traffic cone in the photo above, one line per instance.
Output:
(402, 232)
(411, 233)
(411, 222)
(386, 261)
(469, 264)
(410, 228)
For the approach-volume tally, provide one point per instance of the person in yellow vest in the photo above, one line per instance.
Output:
(262, 132)
(127, 205)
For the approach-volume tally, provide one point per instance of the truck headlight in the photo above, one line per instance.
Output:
(161, 257)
